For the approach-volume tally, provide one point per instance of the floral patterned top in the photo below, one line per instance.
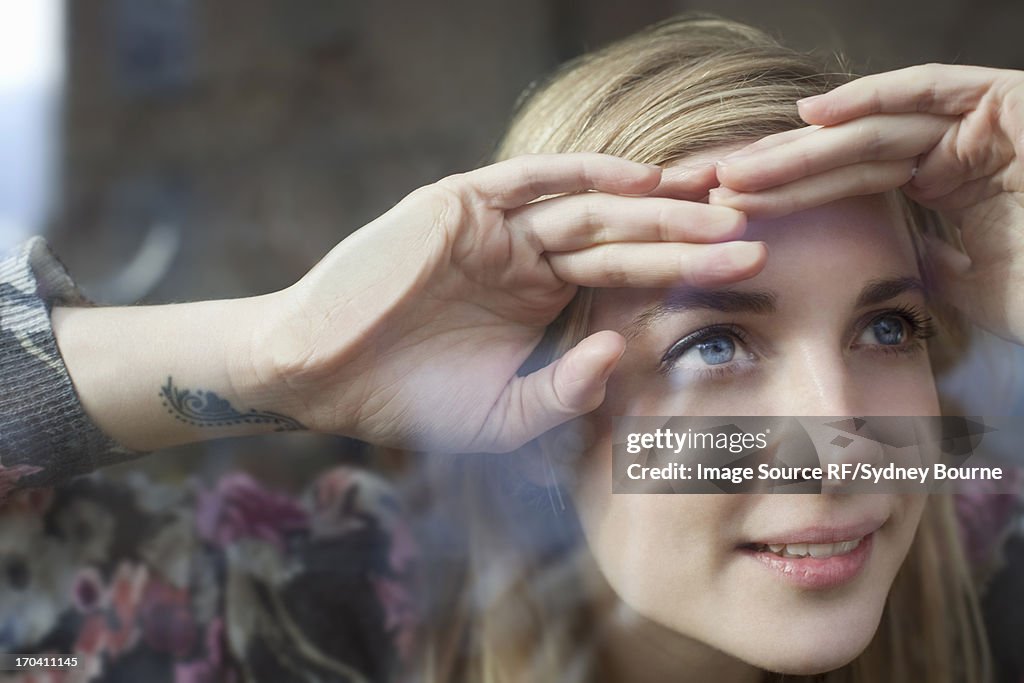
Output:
(230, 581)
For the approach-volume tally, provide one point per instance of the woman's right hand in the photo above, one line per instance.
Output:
(951, 137)
(410, 332)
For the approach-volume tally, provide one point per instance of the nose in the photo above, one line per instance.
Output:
(821, 384)
(817, 382)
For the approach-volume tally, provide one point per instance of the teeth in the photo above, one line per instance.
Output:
(821, 549)
(847, 546)
(816, 550)
(794, 550)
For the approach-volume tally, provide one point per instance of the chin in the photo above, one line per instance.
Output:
(806, 644)
(797, 660)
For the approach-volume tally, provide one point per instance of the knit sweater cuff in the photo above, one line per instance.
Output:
(45, 435)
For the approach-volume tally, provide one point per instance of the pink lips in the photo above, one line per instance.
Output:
(818, 573)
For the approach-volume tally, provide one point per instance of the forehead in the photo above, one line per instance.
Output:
(819, 257)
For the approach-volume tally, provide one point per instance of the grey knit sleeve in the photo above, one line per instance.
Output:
(45, 435)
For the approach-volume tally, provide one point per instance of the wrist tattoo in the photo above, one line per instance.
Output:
(207, 409)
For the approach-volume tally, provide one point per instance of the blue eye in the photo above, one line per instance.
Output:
(898, 330)
(889, 330)
(717, 350)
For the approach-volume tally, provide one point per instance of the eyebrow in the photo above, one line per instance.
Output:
(725, 300)
(759, 302)
(878, 291)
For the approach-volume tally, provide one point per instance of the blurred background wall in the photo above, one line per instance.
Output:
(218, 148)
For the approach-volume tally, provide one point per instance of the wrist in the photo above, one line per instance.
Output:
(159, 376)
(254, 364)
(303, 358)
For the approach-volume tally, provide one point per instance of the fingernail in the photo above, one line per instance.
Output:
(690, 167)
(746, 254)
(724, 220)
(720, 194)
(654, 167)
(807, 100)
(607, 372)
(728, 259)
(679, 172)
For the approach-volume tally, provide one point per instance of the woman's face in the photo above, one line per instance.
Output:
(831, 326)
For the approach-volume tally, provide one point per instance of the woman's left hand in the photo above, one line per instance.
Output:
(952, 137)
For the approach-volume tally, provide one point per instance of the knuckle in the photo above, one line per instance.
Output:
(444, 189)
(927, 71)
(589, 216)
(805, 163)
(519, 162)
(666, 218)
(871, 141)
(445, 202)
(611, 267)
(931, 74)
(525, 167)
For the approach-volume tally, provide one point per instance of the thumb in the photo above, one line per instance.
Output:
(568, 387)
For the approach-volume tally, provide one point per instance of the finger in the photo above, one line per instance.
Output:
(848, 181)
(953, 201)
(944, 89)
(660, 265)
(514, 182)
(690, 181)
(578, 221)
(775, 140)
(569, 387)
(944, 170)
(884, 137)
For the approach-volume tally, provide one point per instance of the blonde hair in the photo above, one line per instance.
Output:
(509, 605)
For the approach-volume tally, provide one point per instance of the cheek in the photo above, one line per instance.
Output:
(651, 546)
(895, 386)
(638, 389)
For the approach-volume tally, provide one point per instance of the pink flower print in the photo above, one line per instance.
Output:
(87, 590)
(240, 507)
(9, 477)
(112, 625)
